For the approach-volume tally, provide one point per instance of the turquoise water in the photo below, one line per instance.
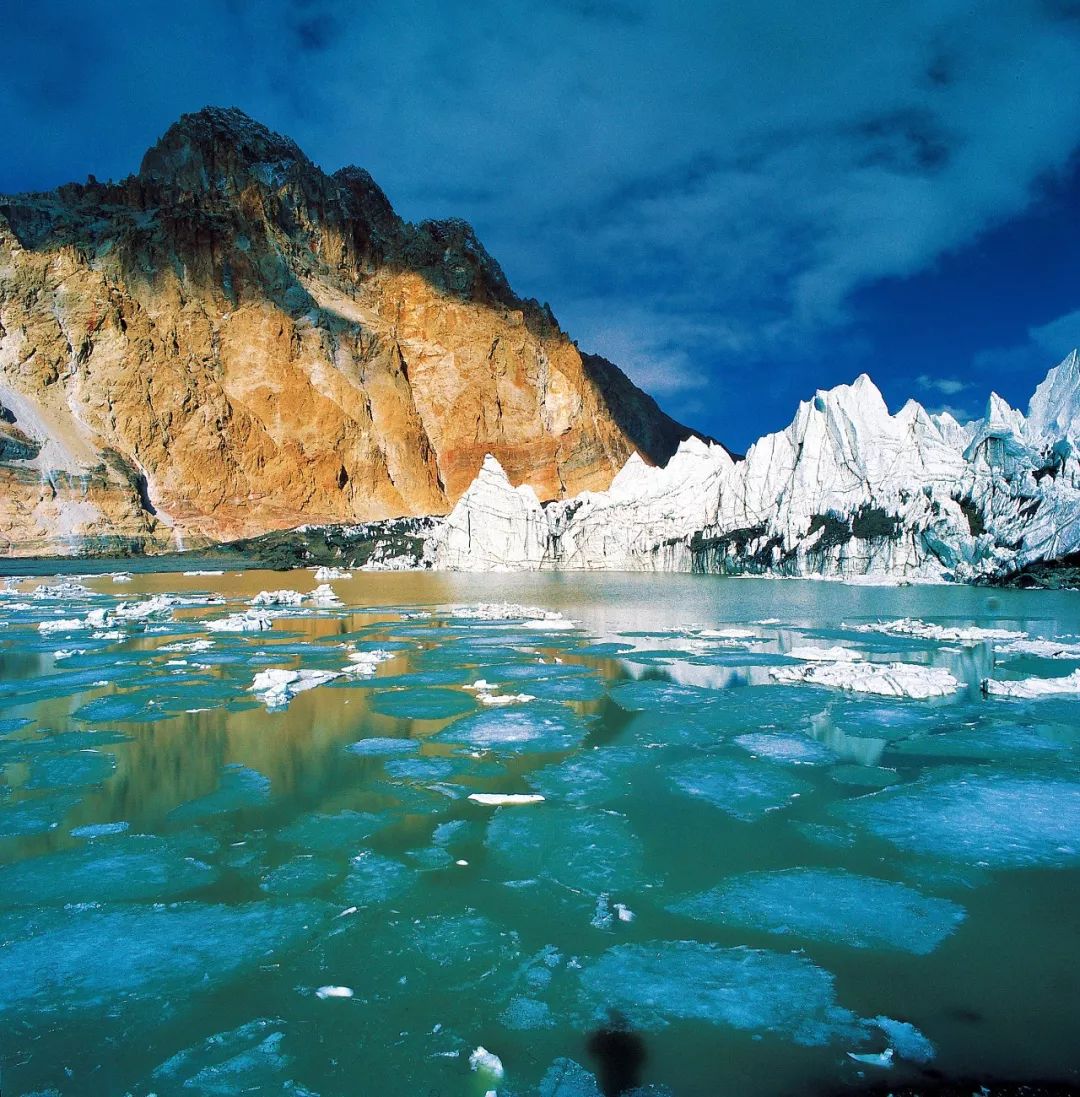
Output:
(756, 878)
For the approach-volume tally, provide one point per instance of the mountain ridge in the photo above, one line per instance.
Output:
(232, 341)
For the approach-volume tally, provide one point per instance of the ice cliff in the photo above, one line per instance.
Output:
(848, 489)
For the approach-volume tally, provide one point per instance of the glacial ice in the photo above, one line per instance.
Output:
(52, 960)
(248, 621)
(111, 869)
(539, 728)
(374, 879)
(299, 876)
(793, 749)
(828, 905)
(744, 790)
(992, 820)
(332, 833)
(80, 768)
(946, 634)
(754, 990)
(381, 746)
(246, 1059)
(276, 688)
(883, 679)
(594, 852)
(425, 703)
(591, 778)
(239, 787)
(1030, 688)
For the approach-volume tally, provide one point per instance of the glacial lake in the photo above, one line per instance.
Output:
(747, 875)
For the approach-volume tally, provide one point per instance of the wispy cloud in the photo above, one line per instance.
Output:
(947, 386)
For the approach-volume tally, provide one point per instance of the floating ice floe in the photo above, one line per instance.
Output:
(825, 655)
(275, 687)
(374, 879)
(948, 634)
(793, 749)
(882, 1059)
(1030, 688)
(379, 746)
(365, 662)
(423, 703)
(64, 624)
(997, 821)
(323, 595)
(883, 679)
(753, 990)
(501, 799)
(278, 598)
(543, 727)
(189, 645)
(248, 621)
(505, 611)
(1040, 649)
(67, 653)
(239, 787)
(487, 1066)
(743, 790)
(204, 572)
(334, 992)
(324, 574)
(828, 905)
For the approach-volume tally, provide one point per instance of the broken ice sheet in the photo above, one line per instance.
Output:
(590, 778)
(754, 990)
(828, 905)
(72, 770)
(240, 787)
(423, 704)
(34, 816)
(248, 1059)
(540, 727)
(300, 876)
(746, 791)
(662, 696)
(992, 820)
(584, 851)
(52, 962)
(111, 869)
(374, 879)
(344, 832)
(381, 746)
(793, 749)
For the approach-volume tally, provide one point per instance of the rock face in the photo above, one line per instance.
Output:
(846, 490)
(232, 342)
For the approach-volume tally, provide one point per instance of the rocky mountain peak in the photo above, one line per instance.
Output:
(218, 146)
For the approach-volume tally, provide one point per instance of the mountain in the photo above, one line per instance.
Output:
(232, 341)
(847, 490)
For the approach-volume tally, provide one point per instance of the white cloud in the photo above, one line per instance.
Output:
(947, 386)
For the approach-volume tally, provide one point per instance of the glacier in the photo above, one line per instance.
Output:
(848, 490)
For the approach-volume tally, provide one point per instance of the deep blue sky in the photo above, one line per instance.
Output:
(737, 202)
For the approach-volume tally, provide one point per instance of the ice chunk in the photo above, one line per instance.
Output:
(239, 788)
(247, 1059)
(382, 746)
(948, 634)
(99, 830)
(750, 989)
(423, 704)
(323, 595)
(249, 621)
(80, 768)
(1040, 649)
(65, 624)
(487, 1065)
(641, 696)
(540, 728)
(504, 799)
(332, 833)
(276, 688)
(743, 790)
(589, 851)
(34, 816)
(825, 655)
(566, 1078)
(908, 1042)
(526, 1014)
(1029, 688)
(120, 869)
(594, 777)
(374, 879)
(999, 821)
(873, 1059)
(299, 876)
(795, 749)
(884, 679)
(278, 598)
(324, 574)
(365, 662)
(334, 992)
(52, 959)
(827, 905)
